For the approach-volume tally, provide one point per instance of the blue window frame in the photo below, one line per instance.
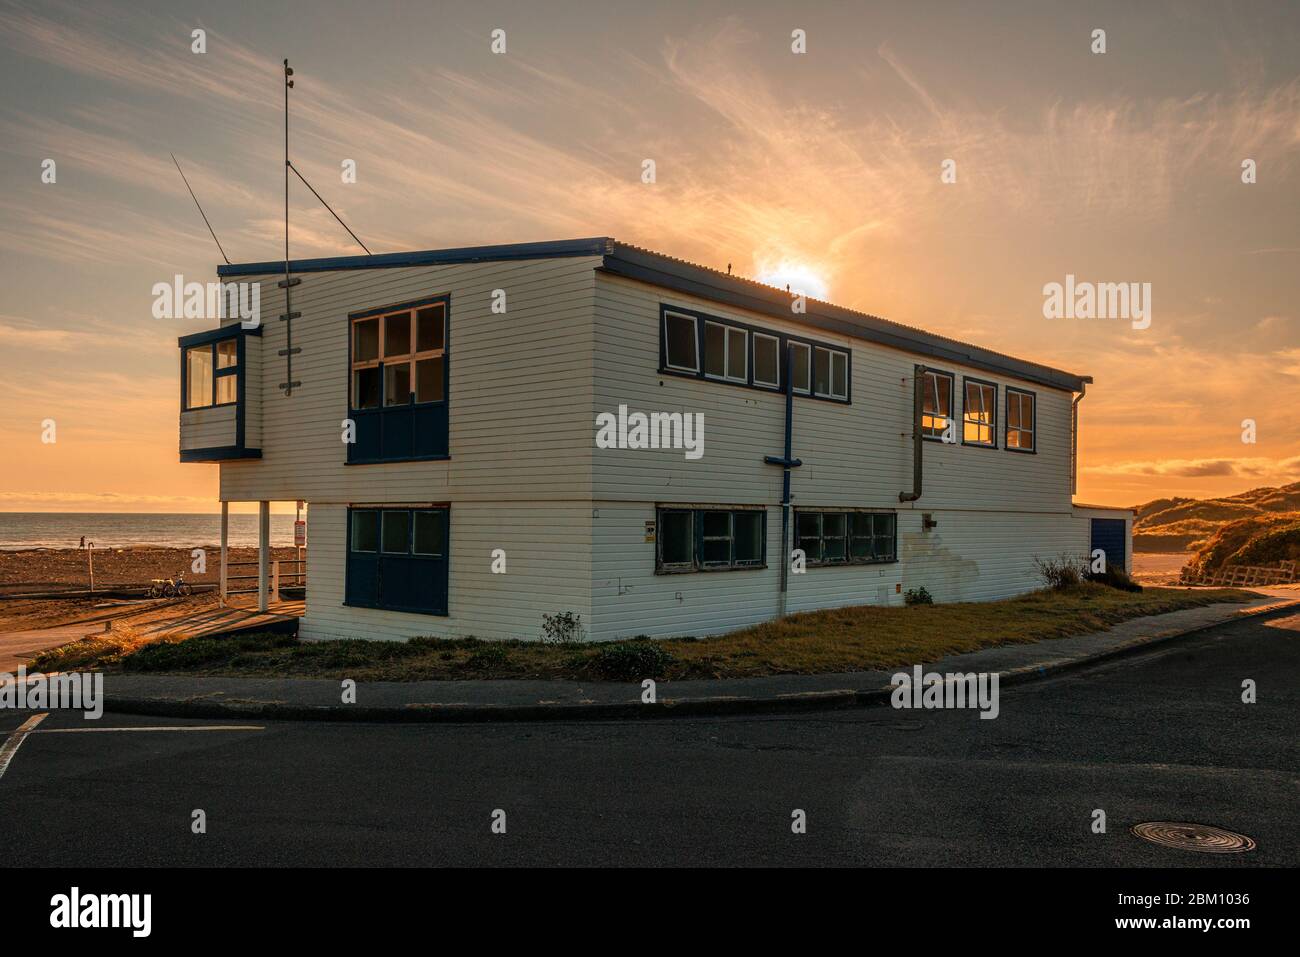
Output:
(214, 367)
(399, 364)
(696, 345)
(398, 558)
(209, 374)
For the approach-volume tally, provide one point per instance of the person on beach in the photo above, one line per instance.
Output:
(83, 542)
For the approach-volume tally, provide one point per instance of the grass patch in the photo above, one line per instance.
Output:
(847, 639)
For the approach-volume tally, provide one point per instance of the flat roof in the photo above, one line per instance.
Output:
(644, 265)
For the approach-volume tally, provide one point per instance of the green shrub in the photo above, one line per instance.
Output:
(918, 596)
(632, 660)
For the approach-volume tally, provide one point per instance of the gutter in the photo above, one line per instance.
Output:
(918, 441)
(1074, 435)
(787, 463)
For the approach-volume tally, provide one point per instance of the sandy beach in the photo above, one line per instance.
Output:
(59, 569)
(1159, 568)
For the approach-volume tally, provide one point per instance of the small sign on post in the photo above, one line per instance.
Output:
(299, 534)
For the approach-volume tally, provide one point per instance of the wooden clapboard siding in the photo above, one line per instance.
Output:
(971, 555)
(208, 428)
(858, 454)
(524, 474)
(520, 387)
(253, 388)
(548, 570)
(996, 510)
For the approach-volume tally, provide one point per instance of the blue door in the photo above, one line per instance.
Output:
(1108, 535)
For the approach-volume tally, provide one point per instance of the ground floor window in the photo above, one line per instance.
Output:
(397, 558)
(710, 539)
(843, 538)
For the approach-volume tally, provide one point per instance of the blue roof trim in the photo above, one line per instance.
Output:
(634, 262)
(230, 331)
(556, 249)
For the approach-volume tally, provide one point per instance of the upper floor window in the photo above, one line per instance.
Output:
(801, 367)
(830, 373)
(726, 353)
(1020, 435)
(979, 412)
(725, 350)
(937, 407)
(400, 357)
(681, 343)
(767, 360)
(210, 374)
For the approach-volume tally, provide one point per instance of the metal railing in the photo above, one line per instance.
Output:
(297, 577)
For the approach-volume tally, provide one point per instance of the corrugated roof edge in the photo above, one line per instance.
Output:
(634, 262)
(594, 246)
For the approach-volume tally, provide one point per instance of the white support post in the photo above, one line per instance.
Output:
(263, 553)
(225, 540)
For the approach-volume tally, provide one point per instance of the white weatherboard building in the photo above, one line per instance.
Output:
(472, 381)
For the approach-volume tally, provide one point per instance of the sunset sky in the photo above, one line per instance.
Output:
(1120, 167)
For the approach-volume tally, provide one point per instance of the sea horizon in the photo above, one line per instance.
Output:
(24, 530)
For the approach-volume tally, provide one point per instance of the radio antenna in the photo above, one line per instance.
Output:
(327, 206)
(201, 213)
(289, 350)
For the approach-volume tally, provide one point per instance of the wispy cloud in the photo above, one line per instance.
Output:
(1279, 470)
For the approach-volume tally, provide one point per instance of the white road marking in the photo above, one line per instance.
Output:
(192, 727)
(10, 747)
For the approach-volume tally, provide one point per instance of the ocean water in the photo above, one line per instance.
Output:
(115, 530)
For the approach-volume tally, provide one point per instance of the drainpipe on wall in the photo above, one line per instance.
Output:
(1074, 438)
(918, 410)
(786, 463)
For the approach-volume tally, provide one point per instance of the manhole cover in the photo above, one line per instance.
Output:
(1194, 837)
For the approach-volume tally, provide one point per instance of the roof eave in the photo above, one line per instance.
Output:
(634, 263)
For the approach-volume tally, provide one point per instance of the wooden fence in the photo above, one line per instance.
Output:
(1283, 573)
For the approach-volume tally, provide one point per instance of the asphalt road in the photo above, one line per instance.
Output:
(1160, 737)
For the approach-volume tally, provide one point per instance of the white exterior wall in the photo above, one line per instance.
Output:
(253, 388)
(969, 556)
(520, 441)
(208, 428)
(996, 510)
(519, 398)
(524, 474)
(548, 570)
(1083, 516)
